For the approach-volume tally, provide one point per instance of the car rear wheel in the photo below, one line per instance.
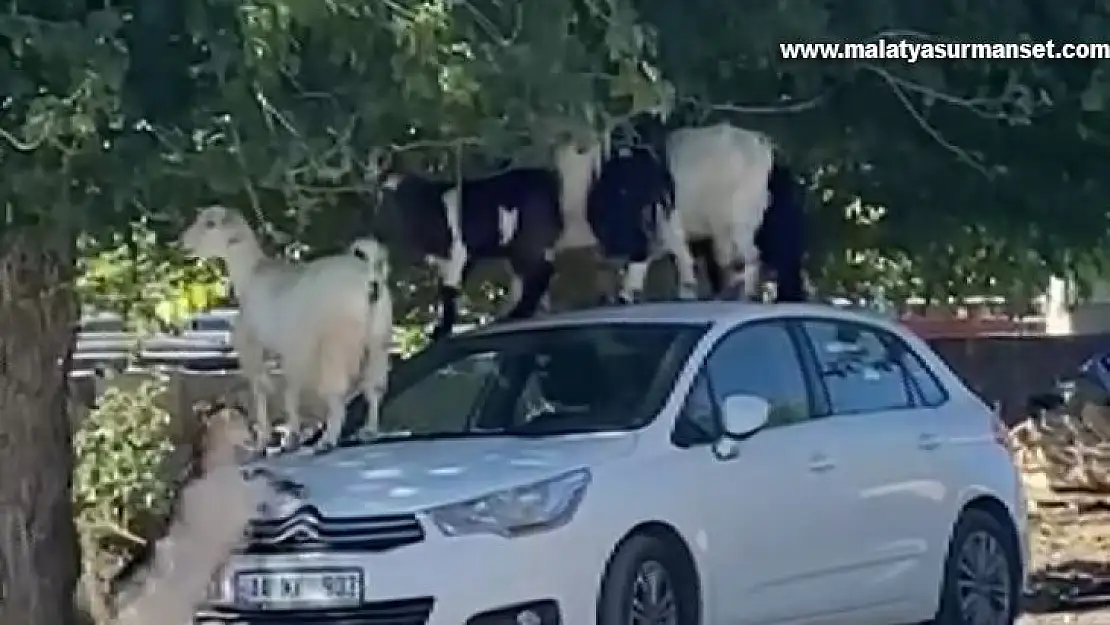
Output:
(982, 574)
(646, 583)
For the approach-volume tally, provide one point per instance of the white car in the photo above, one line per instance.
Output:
(699, 463)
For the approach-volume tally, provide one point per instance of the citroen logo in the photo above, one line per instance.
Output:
(302, 526)
(305, 533)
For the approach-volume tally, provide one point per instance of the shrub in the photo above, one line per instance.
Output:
(124, 484)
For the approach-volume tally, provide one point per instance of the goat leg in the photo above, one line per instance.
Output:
(674, 243)
(449, 312)
(292, 416)
(337, 412)
(375, 377)
(750, 279)
(533, 289)
(252, 362)
(632, 282)
(714, 273)
(789, 283)
(262, 427)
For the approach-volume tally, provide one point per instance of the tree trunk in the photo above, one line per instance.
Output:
(38, 542)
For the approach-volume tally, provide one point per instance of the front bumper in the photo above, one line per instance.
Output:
(443, 581)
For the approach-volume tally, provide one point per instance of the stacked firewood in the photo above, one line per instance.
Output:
(1064, 453)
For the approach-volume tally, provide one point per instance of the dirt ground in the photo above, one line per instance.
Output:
(1070, 552)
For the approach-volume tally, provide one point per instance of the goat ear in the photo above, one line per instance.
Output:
(226, 218)
(379, 163)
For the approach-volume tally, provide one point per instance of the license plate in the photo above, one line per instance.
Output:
(297, 588)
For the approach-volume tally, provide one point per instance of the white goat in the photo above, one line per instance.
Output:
(329, 321)
(720, 180)
(211, 515)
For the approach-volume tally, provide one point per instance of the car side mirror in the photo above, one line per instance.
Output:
(744, 415)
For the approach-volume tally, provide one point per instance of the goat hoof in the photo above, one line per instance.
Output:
(323, 447)
(366, 436)
(249, 455)
(626, 300)
(688, 292)
(290, 442)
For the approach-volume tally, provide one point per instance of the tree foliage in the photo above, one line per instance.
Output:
(127, 272)
(117, 119)
(985, 173)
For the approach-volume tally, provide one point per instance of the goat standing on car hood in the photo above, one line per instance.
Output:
(329, 320)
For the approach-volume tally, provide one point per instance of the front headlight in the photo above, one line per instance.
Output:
(514, 511)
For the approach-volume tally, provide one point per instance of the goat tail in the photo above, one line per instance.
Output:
(374, 254)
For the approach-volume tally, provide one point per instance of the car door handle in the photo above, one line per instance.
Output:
(928, 442)
(821, 463)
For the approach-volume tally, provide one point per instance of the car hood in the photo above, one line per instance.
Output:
(393, 477)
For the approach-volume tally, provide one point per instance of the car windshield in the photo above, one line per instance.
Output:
(558, 380)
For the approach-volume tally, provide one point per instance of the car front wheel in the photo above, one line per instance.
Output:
(646, 583)
(982, 574)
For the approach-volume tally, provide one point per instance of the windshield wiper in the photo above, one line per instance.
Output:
(551, 429)
(530, 429)
(391, 437)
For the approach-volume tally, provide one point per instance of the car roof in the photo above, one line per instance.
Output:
(714, 312)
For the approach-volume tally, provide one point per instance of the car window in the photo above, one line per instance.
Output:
(700, 412)
(859, 371)
(761, 360)
(544, 381)
(576, 384)
(929, 391)
(451, 391)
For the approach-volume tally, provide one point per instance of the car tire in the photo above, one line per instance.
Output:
(648, 574)
(981, 571)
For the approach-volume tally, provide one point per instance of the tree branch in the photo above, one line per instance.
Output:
(100, 527)
(23, 145)
(929, 129)
(454, 144)
(772, 109)
(248, 186)
(972, 105)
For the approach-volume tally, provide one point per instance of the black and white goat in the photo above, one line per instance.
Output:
(618, 199)
(779, 244)
(619, 194)
(733, 205)
(712, 189)
(512, 215)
